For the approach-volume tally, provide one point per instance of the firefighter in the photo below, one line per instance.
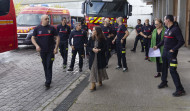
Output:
(64, 31)
(103, 21)
(46, 41)
(138, 36)
(173, 40)
(122, 34)
(107, 30)
(78, 38)
(114, 31)
(85, 28)
(146, 32)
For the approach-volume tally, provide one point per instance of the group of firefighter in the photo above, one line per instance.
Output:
(114, 33)
(45, 36)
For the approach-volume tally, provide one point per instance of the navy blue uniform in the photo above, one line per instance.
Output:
(115, 27)
(85, 28)
(147, 30)
(45, 39)
(107, 31)
(121, 47)
(64, 32)
(77, 39)
(138, 37)
(173, 39)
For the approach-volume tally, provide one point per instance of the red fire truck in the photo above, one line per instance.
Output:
(8, 34)
(30, 17)
(95, 10)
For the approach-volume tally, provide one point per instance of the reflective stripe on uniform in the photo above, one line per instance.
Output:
(52, 59)
(66, 48)
(173, 65)
(123, 52)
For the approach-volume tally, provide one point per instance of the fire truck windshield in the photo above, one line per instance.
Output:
(107, 9)
(28, 19)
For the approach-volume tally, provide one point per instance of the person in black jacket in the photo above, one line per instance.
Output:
(173, 40)
(77, 41)
(138, 29)
(108, 33)
(64, 31)
(146, 32)
(122, 34)
(97, 60)
(46, 41)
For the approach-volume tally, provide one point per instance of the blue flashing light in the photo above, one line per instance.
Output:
(31, 5)
(44, 5)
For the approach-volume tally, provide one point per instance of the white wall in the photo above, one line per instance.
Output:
(140, 11)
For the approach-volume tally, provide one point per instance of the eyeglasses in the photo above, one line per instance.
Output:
(156, 24)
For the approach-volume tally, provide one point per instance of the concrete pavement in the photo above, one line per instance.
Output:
(136, 90)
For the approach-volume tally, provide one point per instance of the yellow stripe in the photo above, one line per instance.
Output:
(98, 20)
(21, 31)
(18, 31)
(52, 59)
(24, 31)
(123, 52)
(4, 22)
(66, 48)
(173, 65)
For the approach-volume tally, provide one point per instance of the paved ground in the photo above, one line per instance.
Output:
(136, 90)
(22, 80)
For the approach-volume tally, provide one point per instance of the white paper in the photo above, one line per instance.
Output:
(154, 53)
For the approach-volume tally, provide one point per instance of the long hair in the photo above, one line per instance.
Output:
(100, 35)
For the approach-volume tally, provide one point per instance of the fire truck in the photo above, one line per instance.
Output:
(30, 17)
(8, 34)
(95, 10)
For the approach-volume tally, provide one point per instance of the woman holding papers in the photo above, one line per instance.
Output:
(157, 36)
(97, 59)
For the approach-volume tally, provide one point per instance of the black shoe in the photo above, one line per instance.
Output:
(157, 75)
(80, 70)
(162, 85)
(47, 85)
(70, 69)
(125, 69)
(179, 93)
(107, 66)
(133, 50)
(142, 50)
(118, 67)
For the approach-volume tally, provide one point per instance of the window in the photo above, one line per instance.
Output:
(57, 19)
(4, 7)
(107, 9)
(28, 19)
